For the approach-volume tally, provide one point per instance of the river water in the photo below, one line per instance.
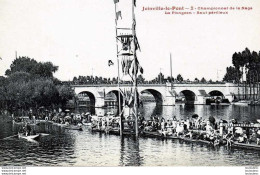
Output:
(83, 148)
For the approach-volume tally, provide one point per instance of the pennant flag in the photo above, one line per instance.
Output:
(134, 24)
(130, 103)
(116, 1)
(126, 64)
(110, 63)
(137, 46)
(138, 67)
(118, 14)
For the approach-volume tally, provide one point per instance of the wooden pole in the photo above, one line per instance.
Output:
(118, 82)
(119, 100)
(135, 72)
(171, 68)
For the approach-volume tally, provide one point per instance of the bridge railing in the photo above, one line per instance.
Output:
(158, 85)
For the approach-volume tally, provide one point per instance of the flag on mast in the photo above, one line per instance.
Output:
(110, 63)
(116, 1)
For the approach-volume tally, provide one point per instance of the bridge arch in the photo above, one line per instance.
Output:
(87, 99)
(156, 94)
(115, 94)
(190, 96)
(216, 93)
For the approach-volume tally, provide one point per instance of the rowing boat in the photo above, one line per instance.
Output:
(79, 128)
(245, 146)
(152, 134)
(30, 137)
(87, 124)
(97, 130)
(196, 140)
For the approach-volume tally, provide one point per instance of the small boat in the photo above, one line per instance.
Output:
(38, 122)
(241, 103)
(74, 128)
(219, 104)
(21, 120)
(87, 124)
(246, 146)
(157, 134)
(196, 141)
(113, 131)
(96, 130)
(60, 124)
(30, 137)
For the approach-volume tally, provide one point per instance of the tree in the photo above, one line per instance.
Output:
(203, 80)
(65, 94)
(140, 79)
(160, 78)
(30, 84)
(179, 78)
(231, 74)
(31, 66)
(2, 92)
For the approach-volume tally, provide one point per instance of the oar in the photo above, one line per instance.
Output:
(43, 134)
(9, 137)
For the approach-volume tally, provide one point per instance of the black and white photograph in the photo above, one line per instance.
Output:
(139, 83)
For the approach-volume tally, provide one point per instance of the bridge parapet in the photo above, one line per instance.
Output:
(165, 93)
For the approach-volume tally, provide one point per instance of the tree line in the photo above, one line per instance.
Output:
(245, 71)
(29, 84)
(160, 79)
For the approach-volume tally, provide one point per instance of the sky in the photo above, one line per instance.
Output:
(79, 36)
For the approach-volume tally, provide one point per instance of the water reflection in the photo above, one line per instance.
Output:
(129, 152)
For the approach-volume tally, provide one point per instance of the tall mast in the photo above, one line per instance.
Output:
(135, 70)
(127, 45)
(118, 81)
(171, 68)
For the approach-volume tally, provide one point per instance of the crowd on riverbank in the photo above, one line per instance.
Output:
(193, 127)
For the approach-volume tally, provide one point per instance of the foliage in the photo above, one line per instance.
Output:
(31, 66)
(30, 84)
(232, 75)
(203, 80)
(179, 78)
(245, 63)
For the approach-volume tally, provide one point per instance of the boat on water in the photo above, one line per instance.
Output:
(87, 123)
(94, 129)
(219, 104)
(158, 134)
(152, 134)
(249, 146)
(241, 103)
(43, 121)
(72, 127)
(186, 139)
(22, 120)
(28, 137)
(60, 124)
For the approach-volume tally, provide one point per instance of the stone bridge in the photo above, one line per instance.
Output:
(164, 94)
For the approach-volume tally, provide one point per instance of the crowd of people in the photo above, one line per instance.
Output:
(193, 127)
(205, 129)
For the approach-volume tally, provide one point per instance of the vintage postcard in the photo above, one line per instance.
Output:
(106, 83)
